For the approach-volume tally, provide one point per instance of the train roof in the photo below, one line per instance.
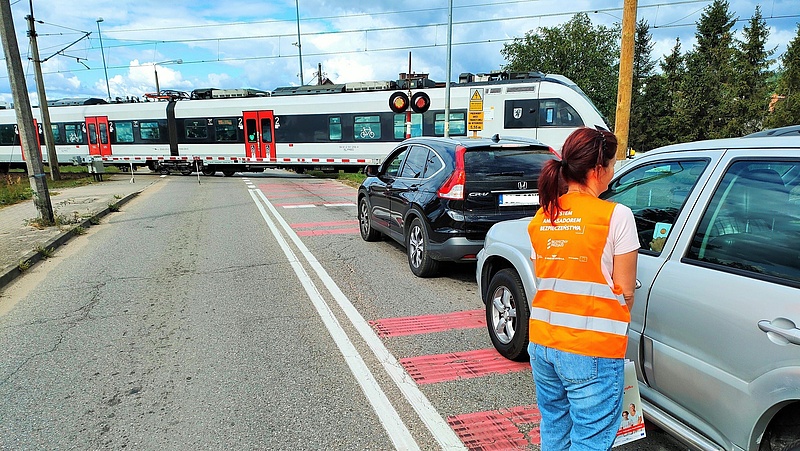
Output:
(406, 81)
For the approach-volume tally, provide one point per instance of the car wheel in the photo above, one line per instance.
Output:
(364, 223)
(781, 437)
(419, 259)
(228, 172)
(507, 315)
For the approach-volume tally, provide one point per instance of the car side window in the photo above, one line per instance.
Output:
(415, 163)
(752, 223)
(433, 165)
(396, 161)
(656, 193)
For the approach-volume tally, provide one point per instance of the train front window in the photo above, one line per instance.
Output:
(335, 128)
(195, 129)
(400, 125)
(558, 113)
(225, 130)
(458, 124)
(149, 130)
(124, 131)
(367, 128)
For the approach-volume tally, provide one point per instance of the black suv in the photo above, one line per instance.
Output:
(439, 196)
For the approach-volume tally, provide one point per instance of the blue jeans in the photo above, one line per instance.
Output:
(579, 398)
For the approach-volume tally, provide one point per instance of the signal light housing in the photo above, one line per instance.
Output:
(398, 102)
(420, 102)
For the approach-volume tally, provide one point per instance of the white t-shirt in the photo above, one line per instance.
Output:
(622, 238)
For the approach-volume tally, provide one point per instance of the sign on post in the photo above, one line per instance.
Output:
(475, 113)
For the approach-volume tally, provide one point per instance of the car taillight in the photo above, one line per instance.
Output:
(453, 187)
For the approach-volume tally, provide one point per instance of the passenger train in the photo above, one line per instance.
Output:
(327, 127)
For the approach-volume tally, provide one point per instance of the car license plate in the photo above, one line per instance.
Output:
(512, 200)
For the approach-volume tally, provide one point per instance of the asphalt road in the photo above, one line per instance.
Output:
(234, 313)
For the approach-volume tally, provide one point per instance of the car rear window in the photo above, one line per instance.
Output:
(501, 163)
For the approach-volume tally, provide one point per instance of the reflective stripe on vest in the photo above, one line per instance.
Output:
(598, 290)
(590, 323)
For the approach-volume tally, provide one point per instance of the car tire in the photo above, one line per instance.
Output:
(364, 223)
(507, 315)
(228, 172)
(419, 258)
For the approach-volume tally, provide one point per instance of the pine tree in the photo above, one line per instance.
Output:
(752, 61)
(586, 54)
(643, 65)
(709, 82)
(787, 110)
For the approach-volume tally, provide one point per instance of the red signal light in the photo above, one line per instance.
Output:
(398, 102)
(420, 102)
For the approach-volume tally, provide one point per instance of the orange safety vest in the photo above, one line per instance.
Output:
(574, 308)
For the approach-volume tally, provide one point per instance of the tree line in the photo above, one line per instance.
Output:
(723, 87)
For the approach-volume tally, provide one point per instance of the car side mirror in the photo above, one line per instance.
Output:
(371, 170)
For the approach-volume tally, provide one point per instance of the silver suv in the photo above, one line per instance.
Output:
(714, 329)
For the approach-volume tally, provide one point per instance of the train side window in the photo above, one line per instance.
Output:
(266, 130)
(92, 134)
(7, 135)
(58, 137)
(335, 128)
(558, 113)
(74, 133)
(103, 133)
(225, 130)
(458, 124)
(367, 128)
(149, 130)
(400, 125)
(124, 131)
(250, 128)
(195, 129)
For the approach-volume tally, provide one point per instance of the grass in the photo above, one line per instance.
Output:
(15, 186)
(348, 178)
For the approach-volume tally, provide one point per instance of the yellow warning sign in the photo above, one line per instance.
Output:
(475, 100)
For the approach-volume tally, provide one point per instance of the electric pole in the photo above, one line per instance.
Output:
(22, 106)
(52, 157)
(625, 86)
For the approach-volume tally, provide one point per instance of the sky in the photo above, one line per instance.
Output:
(253, 43)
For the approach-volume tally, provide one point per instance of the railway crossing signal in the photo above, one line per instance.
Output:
(399, 102)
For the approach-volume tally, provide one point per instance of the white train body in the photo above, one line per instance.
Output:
(339, 126)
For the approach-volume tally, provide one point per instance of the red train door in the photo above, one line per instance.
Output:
(39, 138)
(97, 130)
(259, 130)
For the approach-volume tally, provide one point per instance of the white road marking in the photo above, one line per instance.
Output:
(298, 206)
(344, 204)
(388, 416)
(437, 425)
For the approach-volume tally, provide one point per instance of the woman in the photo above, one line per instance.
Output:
(584, 252)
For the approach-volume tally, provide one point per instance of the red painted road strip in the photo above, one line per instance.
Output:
(353, 231)
(430, 369)
(414, 325)
(514, 428)
(312, 225)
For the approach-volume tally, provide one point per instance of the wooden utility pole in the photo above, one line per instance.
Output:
(625, 86)
(22, 106)
(52, 157)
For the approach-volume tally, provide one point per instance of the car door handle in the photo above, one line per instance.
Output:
(781, 331)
